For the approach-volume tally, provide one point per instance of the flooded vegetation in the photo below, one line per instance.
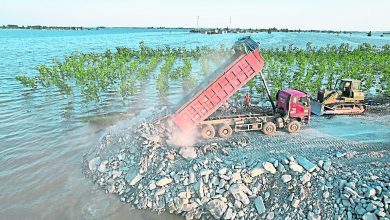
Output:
(121, 71)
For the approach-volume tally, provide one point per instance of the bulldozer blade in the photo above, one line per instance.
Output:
(317, 108)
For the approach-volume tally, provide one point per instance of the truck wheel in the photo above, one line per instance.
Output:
(208, 132)
(225, 131)
(269, 128)
(293, 127)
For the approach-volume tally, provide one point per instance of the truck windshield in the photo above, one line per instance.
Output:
(303, 101)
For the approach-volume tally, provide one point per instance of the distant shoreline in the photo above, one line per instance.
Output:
(264, 30)
(41, 27)
(191, 30)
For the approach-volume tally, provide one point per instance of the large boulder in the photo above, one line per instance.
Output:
(216, 208)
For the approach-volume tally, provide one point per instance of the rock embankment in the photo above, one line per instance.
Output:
(204, 182)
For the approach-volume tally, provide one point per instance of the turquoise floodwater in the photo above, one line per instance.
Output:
(43, 134)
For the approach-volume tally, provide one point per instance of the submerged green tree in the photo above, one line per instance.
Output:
(94, 75)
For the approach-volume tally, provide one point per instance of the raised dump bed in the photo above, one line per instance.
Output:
(216, 89)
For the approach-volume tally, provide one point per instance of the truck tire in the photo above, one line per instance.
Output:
(225, 131)
(208, 132)
(269, 128)
(293, 127)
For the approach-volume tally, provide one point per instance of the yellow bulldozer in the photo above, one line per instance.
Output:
(345, 98)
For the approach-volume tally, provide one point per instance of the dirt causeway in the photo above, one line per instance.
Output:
(336, 168)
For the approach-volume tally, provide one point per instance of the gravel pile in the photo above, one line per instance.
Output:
(204, 181)
(363, 196)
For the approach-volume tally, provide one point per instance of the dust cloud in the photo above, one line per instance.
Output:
(184, 138)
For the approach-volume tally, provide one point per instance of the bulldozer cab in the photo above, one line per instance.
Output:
(346, 87)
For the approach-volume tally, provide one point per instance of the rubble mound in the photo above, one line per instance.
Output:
(205, 181)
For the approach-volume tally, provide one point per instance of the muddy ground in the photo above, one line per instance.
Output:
(365, 139)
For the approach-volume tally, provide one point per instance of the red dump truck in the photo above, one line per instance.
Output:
(194, 110)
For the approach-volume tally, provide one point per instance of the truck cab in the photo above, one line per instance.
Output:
(294, 105)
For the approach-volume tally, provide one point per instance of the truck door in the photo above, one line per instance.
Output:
(293, 107)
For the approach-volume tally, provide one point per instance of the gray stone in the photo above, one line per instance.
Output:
(377, 203)
(369, 216)
(92, 164)
(239, 193)
(216, 208)
(305, 178)
(132, 177)
(259, 204)
(257, 171)
(296, 167)
(327, 165)
(281, 168)
(182, 195)
(170, 156)
(205, 172)
(160, 192)
(286, 178)
(351, 192)
(152, 185)
(164, 181)
(370, 192)
(380, 213)
(290, 157)
(228, 214)
(237, 204)
(326, 194)
(371, 207)
(103, 166)
(189, 207)
(135, 180)
(178, 203)
(276, 163)
(188, 152)
(236, 177)
(236, 188)
(223, 171)
(309, 166)
(349, 215)
(347, 203)
(153, 138)
(360, 210)
(267, 195)
(295, 203)
(192, 178)
(199, 188)
(313, 216)
(269, 167)
(271, 215)
(116, 174)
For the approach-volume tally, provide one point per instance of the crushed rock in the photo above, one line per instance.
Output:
(206, 182)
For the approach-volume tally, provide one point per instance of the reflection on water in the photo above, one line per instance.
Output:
(43, 134)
